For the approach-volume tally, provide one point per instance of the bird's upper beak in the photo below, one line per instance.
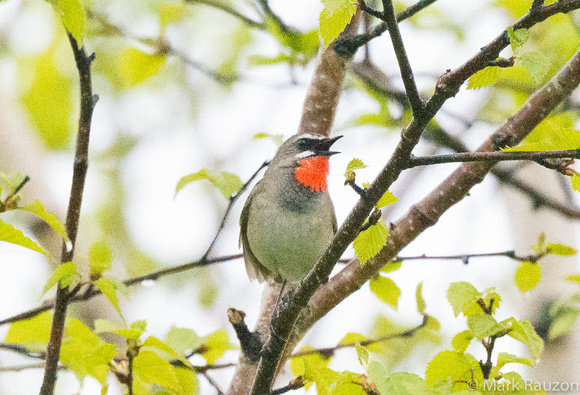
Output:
(323, 146)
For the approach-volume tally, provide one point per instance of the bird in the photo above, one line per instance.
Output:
(288, 219)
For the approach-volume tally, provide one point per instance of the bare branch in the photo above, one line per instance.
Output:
(88, 101)
(227, 9)
(495, 156)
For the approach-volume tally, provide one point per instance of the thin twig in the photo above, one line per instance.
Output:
(466, 257)
(212, 383)
(294, 384)
(404, 65)
(491, 156)
(87, 103)
(227, 9)
(232, 200)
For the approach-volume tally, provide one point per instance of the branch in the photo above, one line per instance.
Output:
(426, 212)
(495, 156)
(466, 257)
(87, 103)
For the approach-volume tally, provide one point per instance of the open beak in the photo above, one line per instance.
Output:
(323, 146)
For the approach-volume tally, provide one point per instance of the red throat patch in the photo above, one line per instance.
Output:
(313, 173)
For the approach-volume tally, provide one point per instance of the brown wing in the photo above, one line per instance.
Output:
(254, 268)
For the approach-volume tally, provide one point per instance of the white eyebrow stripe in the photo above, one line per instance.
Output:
(304, 154)
(312, 136)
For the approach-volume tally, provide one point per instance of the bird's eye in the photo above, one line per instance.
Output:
(303, 144)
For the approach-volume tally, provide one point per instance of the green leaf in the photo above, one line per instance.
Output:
(355, 164)
(73, 18)
(10, 234)
(50, 89)
(485, 77)
(563, 323)
(504, 358)
(217, 344)
(527, 276)
(574, 278)
(560, 249)
(32, 333)
(182, 340)
(38, 209)
(364, 357)
(136, 66)
(386, 199)
(400, 383)
(540, 247)
(461, 341)
(140, 325)
(459, 367)
(277, 138)
(391, 267)
(84, 353)
(482, 325)
(158, 344)
(518, 37)
(386, 290)
(100, 257)
(308, 365)
(334, 17)
(134, 332)
(524, 332)
(537, 65)
(108, 287)
(171, 12)
(227, 183)
(575, 179)
(421, 306)
(65, 273)
(463, 297)
(370, 241)
(151, 368)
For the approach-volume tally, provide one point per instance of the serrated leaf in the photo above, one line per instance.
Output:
(421, 306)
(334, 17)
(386, 199)
(108, 287)
(518, 37)
(462, 296)
(524, 332)
(32, 333)
(459, 367)
(537, 65)
(136, 66)
(73, 18)
(482, 325)
(461, 341)
(575, 180)
(100, 257)
(386, 290)
(307, 365)
(355, 164)
(369, 242)
(10, 234)
(485, 77)
(560, 249)
(504, 358)
(527, 276)
(563, 323)
(38, 209)
(277, 138)
(151, 368)
(227, 183)
(65, 273)
(84, 353)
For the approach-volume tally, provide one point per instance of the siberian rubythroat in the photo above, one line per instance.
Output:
(288, 219)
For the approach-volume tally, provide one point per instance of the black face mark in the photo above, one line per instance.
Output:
(306, 144)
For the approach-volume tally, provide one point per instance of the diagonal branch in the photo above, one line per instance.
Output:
(81, 160)
(426, 213)
(404, 65)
